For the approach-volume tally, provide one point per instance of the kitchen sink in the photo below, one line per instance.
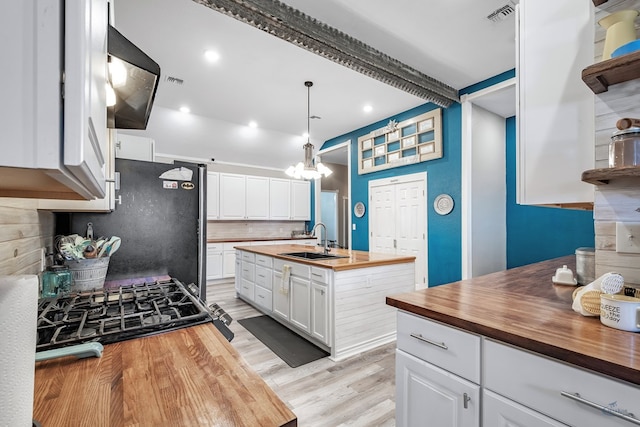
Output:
(313, 255)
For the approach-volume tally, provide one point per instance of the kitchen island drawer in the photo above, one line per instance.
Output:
(248, 256)
(264, 277)
(248, 271)
(299, 270)
(263, 260)
(444, 346)
(561, 391)
(264, 297)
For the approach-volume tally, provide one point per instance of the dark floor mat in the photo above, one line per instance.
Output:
(289, 346)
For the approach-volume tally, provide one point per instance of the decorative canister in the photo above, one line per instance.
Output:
(585, 265)
(624, 148)
(620, 30)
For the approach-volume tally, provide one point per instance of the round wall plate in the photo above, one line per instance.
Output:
(359, 209)
(443, 204)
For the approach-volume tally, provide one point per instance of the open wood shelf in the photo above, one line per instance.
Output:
(599, 2)
(612, 71)
(604, 175)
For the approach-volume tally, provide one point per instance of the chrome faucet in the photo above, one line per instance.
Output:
(326, 241)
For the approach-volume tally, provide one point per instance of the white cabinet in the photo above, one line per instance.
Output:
(280, 199)
(320, 315)
(135, 147)
(556, 109)
(280, 296)
(213, 197)
(229, 260)
(243, 197)
(214, 261)
(246, 278)
(263, 282)
(300, 299)
(300, 200)
(54, 147)
(428, 395)
(500, 411)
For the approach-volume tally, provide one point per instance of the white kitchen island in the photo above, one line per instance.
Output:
(336, 303)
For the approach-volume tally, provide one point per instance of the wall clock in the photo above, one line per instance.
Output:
(359, 209)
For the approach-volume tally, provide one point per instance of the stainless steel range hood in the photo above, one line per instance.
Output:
(134, 97)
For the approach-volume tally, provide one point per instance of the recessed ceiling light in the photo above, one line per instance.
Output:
(185, 110)
(211, 55)
(253, 124)
(367, 108)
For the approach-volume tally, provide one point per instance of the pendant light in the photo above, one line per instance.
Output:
(308, 170)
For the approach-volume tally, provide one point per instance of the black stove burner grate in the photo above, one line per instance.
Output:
(111, 315)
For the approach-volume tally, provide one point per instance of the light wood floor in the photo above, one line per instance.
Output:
(359, 391)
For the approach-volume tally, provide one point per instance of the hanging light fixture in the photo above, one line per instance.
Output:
(308, 170)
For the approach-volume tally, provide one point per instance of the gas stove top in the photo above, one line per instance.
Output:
(111, 315)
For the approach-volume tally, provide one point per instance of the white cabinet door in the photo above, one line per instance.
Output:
(135, 148)
(300, 200)
(229, 263)
(280, 296)
(85, 96)
(214, 261)
(232, 196)
(213, 196)
(429, 396)
(556, 109)
(300, 299)
(257, 197)
(499, 411)
(279, 199)
(320, 311)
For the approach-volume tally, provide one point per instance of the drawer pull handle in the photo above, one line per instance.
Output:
(576, 396)
(423, 339)
(261, 275)
(465, 400)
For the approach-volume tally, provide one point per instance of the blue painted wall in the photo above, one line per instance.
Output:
(533, 233)
(537, 233)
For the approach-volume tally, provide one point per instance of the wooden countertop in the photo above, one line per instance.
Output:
(258, 239)
(352, 259)
(188, 377)
(521, 306)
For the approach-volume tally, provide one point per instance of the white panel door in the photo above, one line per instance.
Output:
(257, 197)
(232, 196)
(410, 225)
(213, 195)
(382, 217)
(279, 198)
(301, 303)
(301, 200)
(280, 296)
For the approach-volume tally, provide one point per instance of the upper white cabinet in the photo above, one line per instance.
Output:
(135, 148)
(555, 109)
(213, 195)
(54, 146)
(243, 197)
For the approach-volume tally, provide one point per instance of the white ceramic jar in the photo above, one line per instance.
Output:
(620, 312)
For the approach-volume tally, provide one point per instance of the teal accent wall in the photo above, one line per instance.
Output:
(533, 233)
(536, 233)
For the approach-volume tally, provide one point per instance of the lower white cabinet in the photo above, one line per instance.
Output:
(500, 411)
(320, 304)
(430, 396)
(228, 260)
(280, 296)
(300, 296)
(214, 261)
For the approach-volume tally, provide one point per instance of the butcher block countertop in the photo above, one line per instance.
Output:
(521, 306)
(258, 239)
(352, 259)
(188, 377)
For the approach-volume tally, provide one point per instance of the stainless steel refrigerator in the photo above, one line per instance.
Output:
(161, 221)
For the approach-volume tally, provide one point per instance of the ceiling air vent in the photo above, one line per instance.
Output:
(174, 80)
(502, 13)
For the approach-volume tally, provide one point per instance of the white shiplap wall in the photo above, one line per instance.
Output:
(620, 199)
(24, 231)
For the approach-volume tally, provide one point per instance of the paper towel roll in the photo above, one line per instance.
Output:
(18, 320)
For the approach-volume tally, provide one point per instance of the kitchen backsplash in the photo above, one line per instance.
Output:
(24, 231)
(252, 229)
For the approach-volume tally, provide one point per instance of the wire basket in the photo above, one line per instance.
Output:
(88, 274)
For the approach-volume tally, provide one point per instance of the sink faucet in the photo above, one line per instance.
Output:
(326, 241)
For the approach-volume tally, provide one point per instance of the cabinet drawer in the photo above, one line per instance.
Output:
(247, 289)
(299, 270)
(444, 346)
(263, 277)
(264, 298)
(229, 246)
(320, 275)
(248, 256)
(500, 411)
(265, 261)
(248, 271)
(546, 385)
(214, 247)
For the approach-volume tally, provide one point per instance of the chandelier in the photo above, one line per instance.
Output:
(308, 170)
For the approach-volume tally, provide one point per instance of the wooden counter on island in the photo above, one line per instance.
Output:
(188, 377)
(337, 303)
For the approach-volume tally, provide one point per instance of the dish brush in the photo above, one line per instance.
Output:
(612, 283)
(590, 301)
